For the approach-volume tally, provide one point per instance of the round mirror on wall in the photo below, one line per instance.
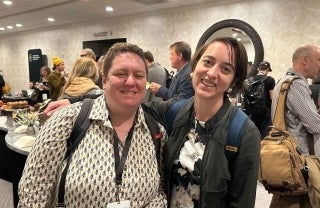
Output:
(240, 36)
(241, 31)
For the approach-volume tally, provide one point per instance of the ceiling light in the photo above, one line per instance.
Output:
(2, 28)
(7, 2)
(18, 25)
(10, 27)
(50, 19)
(109, 9)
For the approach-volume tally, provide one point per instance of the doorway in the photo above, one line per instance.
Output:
(100, 47)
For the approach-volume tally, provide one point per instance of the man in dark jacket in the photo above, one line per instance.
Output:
(181, 86)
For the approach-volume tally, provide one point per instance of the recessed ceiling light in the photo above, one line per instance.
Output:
(2, 28)
(7, 2)
(109, 9)
(18, 25)
(50, 19)
(10, 27)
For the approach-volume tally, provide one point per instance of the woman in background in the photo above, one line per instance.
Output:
(43, 84)
(82, 79)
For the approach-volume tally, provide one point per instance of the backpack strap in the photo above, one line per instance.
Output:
(278, 120)
(156, 134)
(234, 134)
(79, 130)
(263, 78)
(172, 113)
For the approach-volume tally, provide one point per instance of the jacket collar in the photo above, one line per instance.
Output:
(188, 110)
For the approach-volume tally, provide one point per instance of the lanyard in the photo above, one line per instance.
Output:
(119, 162)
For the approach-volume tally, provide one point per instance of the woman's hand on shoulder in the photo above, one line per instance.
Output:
(56, 105)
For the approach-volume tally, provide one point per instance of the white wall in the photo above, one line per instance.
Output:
(283, 25)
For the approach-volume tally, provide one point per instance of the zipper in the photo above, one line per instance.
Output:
(204, 160)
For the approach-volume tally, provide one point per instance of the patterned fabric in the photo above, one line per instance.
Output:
(187, 168)
(90, 177)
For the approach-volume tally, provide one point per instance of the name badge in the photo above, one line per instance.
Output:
(44, 96)
(121, 204)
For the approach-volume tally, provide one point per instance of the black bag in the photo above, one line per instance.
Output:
(169, 77)
(255, 95)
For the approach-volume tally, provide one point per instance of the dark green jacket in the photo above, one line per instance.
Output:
(56, 82)
(222, 185)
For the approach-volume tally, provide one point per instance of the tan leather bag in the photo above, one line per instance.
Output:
(313, 163)
(282, 166)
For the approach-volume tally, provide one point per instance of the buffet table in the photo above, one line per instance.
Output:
(12, 157)
(17, 141)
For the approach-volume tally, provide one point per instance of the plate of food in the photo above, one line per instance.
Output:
(16, 105)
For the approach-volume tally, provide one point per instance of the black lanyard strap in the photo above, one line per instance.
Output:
(119, 162)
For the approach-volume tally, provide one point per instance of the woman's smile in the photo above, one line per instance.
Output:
(208, 83)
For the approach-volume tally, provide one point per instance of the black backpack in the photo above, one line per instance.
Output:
(79, 130)
(169, 76)
(255, 95)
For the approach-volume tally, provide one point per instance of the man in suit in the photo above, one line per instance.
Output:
(181, 86)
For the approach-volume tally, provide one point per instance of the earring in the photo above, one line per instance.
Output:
(191, 74)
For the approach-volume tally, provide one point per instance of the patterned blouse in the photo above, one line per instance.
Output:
(187, 168)
(90, 181)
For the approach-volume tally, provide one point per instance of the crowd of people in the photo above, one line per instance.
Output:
(116, 162)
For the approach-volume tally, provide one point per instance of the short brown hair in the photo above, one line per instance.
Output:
(183, 48)
(238, 56)
(119, 48)
(148, 56)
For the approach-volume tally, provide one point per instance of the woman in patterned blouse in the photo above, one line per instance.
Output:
(198, 173)
(117, 126)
